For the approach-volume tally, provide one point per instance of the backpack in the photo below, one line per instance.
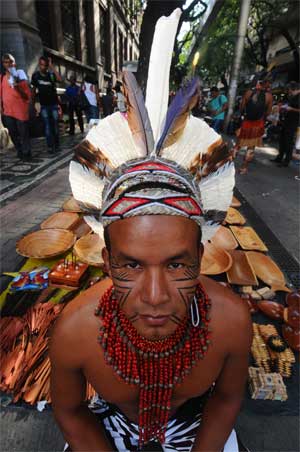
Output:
(255, 109)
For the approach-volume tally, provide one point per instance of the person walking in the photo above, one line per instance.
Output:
(44, 83)
(107, 102)
(120, 98)
(91, 92)
(217, 107)
(256, 105)
(289, 125)
(72, 95)
(15, 99)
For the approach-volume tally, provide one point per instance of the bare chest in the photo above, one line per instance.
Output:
(115, 391)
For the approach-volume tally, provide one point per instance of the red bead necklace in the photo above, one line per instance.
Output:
(155, 366)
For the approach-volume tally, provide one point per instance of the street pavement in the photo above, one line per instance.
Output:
(29, 196)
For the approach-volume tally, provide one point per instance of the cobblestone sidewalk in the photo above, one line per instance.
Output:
(18, 176)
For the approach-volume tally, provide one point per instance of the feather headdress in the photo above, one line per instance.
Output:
(155, 160)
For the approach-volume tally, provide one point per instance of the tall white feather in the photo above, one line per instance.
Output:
(113, 137)
(86, 186)
(195, 139)
(157, 93)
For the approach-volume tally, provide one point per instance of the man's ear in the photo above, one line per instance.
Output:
(105, 257)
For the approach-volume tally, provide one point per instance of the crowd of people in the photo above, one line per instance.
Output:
(257, 114)
(20, 96)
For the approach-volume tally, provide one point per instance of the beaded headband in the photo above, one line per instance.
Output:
(154, 160)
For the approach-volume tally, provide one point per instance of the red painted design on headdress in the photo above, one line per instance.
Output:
(186, 204)
(123, 205)
(148, 166)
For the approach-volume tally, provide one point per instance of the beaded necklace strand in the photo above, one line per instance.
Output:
(155, 366)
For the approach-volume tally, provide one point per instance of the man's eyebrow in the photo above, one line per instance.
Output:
(125, 256)
(181, 255)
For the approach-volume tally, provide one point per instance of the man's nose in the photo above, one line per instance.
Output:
(155, 290)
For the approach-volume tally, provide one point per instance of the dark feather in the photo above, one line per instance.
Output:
(90, 157)
(137, 114)
(177, 114)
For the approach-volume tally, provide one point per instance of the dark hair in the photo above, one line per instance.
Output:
(214, 89)
(43, 58)
(108, 242)
(8, 56)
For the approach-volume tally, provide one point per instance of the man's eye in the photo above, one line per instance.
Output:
(132, 265)
(175, 266)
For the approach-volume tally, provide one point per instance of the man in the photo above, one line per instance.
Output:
(171, 359)
(217, 107)
(15, 98)
(72, 94)
(256, 105)
(289, 125)
(44, 83)
(107, 102)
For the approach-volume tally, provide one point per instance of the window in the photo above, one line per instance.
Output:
(104, 38)
(43, 18)
(69, 19)
(120, 51)
(116, 46)
(87, 12)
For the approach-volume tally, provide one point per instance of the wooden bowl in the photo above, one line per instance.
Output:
(248, 239)
(234, 217)
(214, 260)
(88, 249)
(61, 220)
(71, 205)
(81, 228)
(266, 270)
(45, 243)
(271, 309)
(241, 271)
(224, 239)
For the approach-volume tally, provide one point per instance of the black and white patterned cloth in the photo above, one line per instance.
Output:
(180, 434)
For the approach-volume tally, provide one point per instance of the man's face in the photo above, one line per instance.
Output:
(43, 66)
(214, 94)
(154, 264)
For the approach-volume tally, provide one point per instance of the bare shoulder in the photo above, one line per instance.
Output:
(230, 314)
(76, 323)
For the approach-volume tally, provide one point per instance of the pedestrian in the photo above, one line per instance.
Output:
(291, 121)
(217, 107)
(256, 105)
(108, 102)
(91, 92)
(72, 94)
(15, 100)
(44, 84)
(120, 98)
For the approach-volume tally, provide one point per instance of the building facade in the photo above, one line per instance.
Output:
(83, 37)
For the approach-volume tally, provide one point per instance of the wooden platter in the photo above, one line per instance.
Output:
(71, 205)
(234, 217)
(266, 270)
(248, 239)
(241, 272)
(61, 220)
(214, 260)
(224, 239)
(45, 243)
(81, 228)
(89, 249)
(235, 202)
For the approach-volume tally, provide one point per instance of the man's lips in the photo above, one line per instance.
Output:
(157, 320)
